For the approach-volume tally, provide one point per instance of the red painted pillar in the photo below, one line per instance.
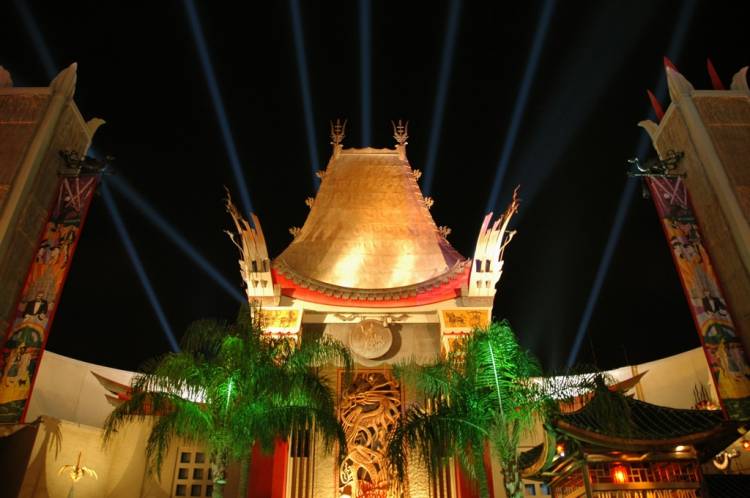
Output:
(267, 476)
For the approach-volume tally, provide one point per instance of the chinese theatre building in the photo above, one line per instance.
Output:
(371, 268)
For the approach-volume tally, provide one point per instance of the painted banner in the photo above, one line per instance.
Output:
(29, 328)
(723, 349)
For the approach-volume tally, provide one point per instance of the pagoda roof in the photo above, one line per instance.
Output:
(643, 427)
(369, 235)
(647, 424)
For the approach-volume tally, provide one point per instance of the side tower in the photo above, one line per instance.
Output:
(42, 206)
(371, 268)
(701, 188)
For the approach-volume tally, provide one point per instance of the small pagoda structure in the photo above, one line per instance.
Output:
(649, 451)
(371, 268)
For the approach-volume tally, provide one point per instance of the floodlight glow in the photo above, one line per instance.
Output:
(304, 83)
(138, 265)
(518, 110)
(365, 61)
(436, 126)
(221, 115)
(626, 198)
(153, 216)
(42, 50)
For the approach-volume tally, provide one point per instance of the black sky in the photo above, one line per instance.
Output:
(138, 69)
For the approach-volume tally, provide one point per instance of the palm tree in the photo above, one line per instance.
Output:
(485, 391)
(232, 387)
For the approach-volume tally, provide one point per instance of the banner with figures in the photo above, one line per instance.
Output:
(28, 331)
(724, 351)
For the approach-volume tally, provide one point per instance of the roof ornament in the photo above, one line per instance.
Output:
(400, 132)
(338, 132)
(417, 174)
(309, 202)
(295, 231)
(255, 265)
(428, 202)
(490, 248)
(444, 231)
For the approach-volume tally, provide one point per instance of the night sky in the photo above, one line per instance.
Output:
(139, 70)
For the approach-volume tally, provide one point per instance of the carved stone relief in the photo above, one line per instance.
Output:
(370, 407)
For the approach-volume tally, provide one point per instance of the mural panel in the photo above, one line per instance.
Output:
(29, 328)
(724, 351)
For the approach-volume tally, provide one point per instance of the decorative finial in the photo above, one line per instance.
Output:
(400, 132)
(309, 202)
(428, 202)
(444, 231)
(295, 231)
(338, 130)
(416, 173)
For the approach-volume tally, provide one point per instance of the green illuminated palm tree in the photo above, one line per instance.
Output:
(230, 388)
(482, 392)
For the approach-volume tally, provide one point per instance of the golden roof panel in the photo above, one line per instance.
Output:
(369, 227)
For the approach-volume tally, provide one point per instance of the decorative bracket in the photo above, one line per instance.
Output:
(660, 168)
(77, 164)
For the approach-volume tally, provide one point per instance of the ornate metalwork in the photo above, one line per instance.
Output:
(370, 407)
(338, 132)
(400, 132)
(77, 164)
(661, 168)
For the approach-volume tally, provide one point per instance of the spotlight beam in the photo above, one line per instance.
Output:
(446, 63)
(304, 82)
(520, 107)
(626, 198)
(37, 39)
(156, 219)
(365, 69)
(138, 265)
(577, 91)
(218, 103)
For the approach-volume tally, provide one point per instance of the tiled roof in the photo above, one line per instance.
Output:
(646, 421)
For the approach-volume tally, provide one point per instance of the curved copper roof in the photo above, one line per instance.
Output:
(369, 228)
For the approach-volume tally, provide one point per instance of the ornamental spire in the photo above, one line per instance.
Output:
(338, 132)
(400, 132)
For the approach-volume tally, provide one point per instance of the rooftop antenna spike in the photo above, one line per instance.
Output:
(338, 132)
(715, 80)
